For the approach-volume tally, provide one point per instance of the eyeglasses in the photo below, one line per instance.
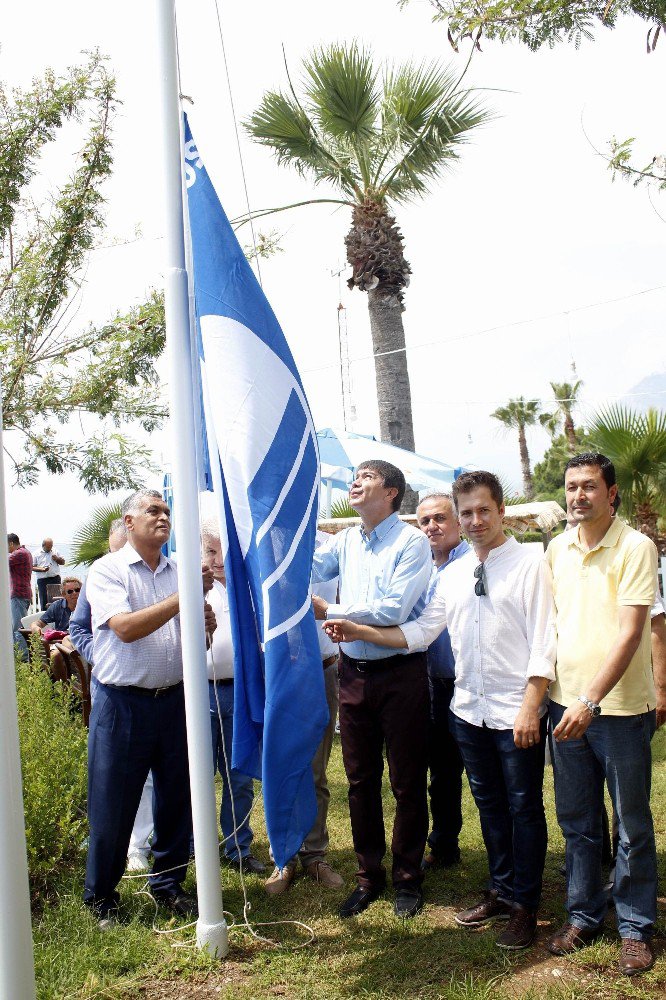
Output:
(74, 590)
(479, 586)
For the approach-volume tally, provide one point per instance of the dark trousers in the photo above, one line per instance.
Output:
(42, 584)
(386, 706)
(507, 785)
(446, 768)
(131, 734)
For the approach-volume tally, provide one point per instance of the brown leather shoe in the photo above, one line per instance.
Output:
(635, 957)
(490, 908)
(321, 872)
(520, 930)
(281, 879)
(570, 938)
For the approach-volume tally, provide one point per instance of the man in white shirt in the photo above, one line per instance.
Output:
(497, 604)
(237, 788)
(46, 567)
(137, 723)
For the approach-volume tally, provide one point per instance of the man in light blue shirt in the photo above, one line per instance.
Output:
(384, 567)
(437, 519)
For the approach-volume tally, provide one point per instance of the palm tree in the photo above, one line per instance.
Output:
(636, 444)
(519, 414)
(566, 396)
(377, 138)
(91, 539)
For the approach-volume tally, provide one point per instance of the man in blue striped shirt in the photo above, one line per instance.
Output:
(384, 566)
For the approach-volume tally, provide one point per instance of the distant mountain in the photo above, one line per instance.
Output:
(649, 392)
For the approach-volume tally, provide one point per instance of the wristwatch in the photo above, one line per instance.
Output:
(595, 709)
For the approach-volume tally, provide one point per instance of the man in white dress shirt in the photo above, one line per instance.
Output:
(137, 723)
(497, 604)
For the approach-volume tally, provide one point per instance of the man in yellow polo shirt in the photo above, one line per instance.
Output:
(603, 712)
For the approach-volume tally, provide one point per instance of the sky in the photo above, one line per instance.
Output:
(526, 257)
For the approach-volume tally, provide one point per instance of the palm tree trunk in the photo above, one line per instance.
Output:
(528, 486)
(570, 432)
(394, 397)
(646, 521)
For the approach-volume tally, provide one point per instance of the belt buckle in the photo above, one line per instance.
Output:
(159, 691)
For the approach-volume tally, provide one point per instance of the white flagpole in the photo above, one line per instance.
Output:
(17, 970)
(211, 926)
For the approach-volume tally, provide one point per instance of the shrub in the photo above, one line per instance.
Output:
(54, 765)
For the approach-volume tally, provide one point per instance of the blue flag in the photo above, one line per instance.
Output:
(263, 453)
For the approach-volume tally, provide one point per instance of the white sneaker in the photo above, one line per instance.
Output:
(137, 862)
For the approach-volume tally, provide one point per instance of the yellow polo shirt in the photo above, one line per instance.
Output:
(589, 587)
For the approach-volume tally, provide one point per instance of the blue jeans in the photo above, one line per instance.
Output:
(131, 734)
(615, 748)
(507, 785)
(222, 701)
(19, 606)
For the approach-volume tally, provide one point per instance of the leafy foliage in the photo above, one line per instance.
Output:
(620, 164)
(636, 444)
(542, 22)
(49, 373)
(518, 414)
(566, 395)
(54, 767)
(342, 508)
(548, 475)
(91, 539)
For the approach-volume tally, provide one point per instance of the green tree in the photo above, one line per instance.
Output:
(519, 414)
(91, 539)
(51, 372)
(566, 395)
(543, 22)
(548, 475)
(377, 139)
(636, 444)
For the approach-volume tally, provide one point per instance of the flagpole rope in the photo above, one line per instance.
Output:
(238, 142)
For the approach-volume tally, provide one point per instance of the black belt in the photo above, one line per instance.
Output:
(223, 681)
(370, 666)
(146, 692)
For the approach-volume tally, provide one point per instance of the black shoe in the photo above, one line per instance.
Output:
(251, 865)
(359, 901)
(433, 860)
(408, 902)
(178, 902)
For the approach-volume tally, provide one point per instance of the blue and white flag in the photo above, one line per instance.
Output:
(267, 467)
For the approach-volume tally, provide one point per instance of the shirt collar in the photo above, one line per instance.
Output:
(502, 550)
(460, 549)
(382, 529)
(609, 540)
(131, 556)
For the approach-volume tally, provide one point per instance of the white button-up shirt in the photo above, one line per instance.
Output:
(499, 640)
(220, 656)
(122, 582)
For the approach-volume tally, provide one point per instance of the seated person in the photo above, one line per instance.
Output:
(57, 615)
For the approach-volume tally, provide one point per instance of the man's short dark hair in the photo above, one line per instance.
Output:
(600, 462)
(13, 539)
(392, 477)
(469, 481)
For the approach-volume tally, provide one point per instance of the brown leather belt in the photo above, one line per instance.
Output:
(329, 661)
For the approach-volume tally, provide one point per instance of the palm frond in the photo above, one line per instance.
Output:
(91, 539)
(636, 444)
(342, 93)
(342, 508)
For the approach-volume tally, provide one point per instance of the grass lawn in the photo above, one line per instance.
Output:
(374, 955)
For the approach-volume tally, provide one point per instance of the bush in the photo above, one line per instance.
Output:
(54, 765)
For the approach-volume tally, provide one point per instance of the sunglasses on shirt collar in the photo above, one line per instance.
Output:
(479, 586)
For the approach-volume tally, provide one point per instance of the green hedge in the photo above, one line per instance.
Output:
(53, 761)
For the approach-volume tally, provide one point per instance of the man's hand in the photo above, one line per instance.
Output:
(661, 708)
(341, 630)
(526, 728)
(207, 578)
(320, 607)
(210, 621)
(573, 723)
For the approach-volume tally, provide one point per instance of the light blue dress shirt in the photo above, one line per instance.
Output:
(441, 661)
(383, 578)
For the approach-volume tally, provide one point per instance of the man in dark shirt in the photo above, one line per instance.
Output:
(58, 613)
(20, 576)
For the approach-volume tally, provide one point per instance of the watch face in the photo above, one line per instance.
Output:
(596, 711)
